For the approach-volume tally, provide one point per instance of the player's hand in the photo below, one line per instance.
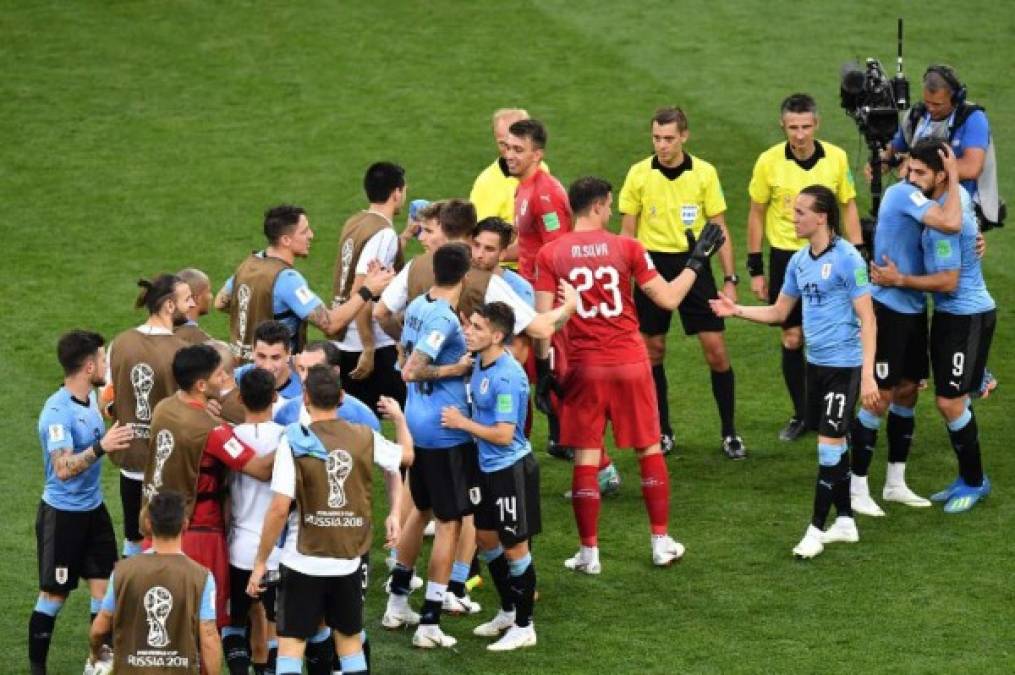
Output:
(392, 529)
(951, 164)
(729, 289)
(463, 367)
(364, 366)
(869, 394)
(452, 417)
(389, 409)
(377, 277)
(117, 438)
(759, 286)
(545, 384)
(568, 296)
(723, 306)
(214, 406)
(887, 274)
(981, 245)
(711, 239)
(254, 585)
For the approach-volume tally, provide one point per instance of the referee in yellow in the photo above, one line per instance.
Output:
(779, 174)
(663, 196)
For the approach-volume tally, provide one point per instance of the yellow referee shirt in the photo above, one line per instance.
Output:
(778, 177)
(667, 201)
(493, 193)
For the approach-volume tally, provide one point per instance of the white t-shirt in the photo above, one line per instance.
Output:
(387, 455)
(396, 297)
(383, 246)
(249, 498)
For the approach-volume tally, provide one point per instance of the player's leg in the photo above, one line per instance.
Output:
(130, 501)
(290, 655)
(713, 345)
(398, 613)
(344, 613)
(554, 446)
(234, 636)
(99, 558)
(260, 633)
(300, 607)
(794, 365)
(268, 603)
(654, 324)
(457, 600)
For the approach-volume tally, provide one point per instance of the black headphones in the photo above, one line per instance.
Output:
(947, 74)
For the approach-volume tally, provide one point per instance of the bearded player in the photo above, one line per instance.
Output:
(608, 377)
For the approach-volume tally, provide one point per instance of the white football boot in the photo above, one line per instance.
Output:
(586, 560)
(516, 637)
(430, 636)
(810, 546)
(860, 499)
(843, 529)
(495, 626)
(398, 613)
(666, 551)
(456, 605)
(896, 489)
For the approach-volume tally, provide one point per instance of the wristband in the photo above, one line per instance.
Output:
(98, 449)
(755, 264)
(365, 293)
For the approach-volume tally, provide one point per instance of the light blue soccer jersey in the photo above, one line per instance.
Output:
(974, 133)
(351, 409)
(66, 423)
(827, 285)
(500, 393)
(900, 225)
(292, 300)
(293, 387)
(958, 252)
(432, 327)
(520, 286)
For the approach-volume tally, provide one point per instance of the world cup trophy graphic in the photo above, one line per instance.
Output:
(158, 603)
(164, 444)
(347, 251)
(243, 298)
(142, 378)
(338, 466)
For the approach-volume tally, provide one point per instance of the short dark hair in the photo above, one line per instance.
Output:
(501, 317)
(332, 356)
(531, 129)
(503, 229)
(75, 347)
(281, 220)
(323, 387)
(257, 389)
(826, 203)
(431, 211)
(671, 115)
(155, 292)
(451, 262)
(166, 510)
(585, 192)
(193, 363)
(272, 332)
(457, 218)
(381, 179)
(926, 151)
(798, 103)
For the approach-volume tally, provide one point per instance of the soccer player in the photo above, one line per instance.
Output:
(964, 318)
(325, 468)
(493, 192)
(190, 453)
(838, 321)
(663, 196)
(272, 341)
(508, 513)
(75, 537)
(140, 362)
(369, 355)
(248, 502)
(266, 286)
(608, 376)
(779, 174)
(900, 362)
(159, 607)
(200, 288)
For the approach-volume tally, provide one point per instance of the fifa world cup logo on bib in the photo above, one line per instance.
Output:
(347, 250)
(142, 378)
(243, 298)
(163, 449)
(158, 603)
(338, 466)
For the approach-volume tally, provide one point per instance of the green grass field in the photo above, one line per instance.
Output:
(144, 137)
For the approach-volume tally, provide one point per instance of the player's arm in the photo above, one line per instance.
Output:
(237, 455)
(864, 308)
(499, 433)
(211, 648)
(629, 225)
(755, 260)
(851, 223)
(338, 317)
(389, 409)
(888, 274)
(768, 314)
(224, 296)
(669, 295)
(365, 329)
(67, 464)
(553, 319)
(947, 217)
(102, 626)
(387, 320)
(726, 257)
(420, 367)
(271, 529)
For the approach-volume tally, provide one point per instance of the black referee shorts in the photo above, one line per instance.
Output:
(778, 260)
(695, 314)
(72, 545)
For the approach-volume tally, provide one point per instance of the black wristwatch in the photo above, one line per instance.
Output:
(731, 279)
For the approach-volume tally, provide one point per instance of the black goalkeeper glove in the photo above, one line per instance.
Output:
(545, 383)
(712, 239)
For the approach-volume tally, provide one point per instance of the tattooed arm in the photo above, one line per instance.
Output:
(420, 366)
(67, 463)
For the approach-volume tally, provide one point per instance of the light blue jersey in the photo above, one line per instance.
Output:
(293, 387)
(69, 424)
(432, 327)
(958, 252)
(520, 286)
(292, 301)
(827, 285)
(206, 612)
(500, 393)
(351, 409)
(900, 225)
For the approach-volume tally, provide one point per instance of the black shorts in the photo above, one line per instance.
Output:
(304, 601)
(130, 500)
(385, 380)
(959, 344)
(73, 545)
(831, 398)
(240, 603)
(778, 260)
(445, 480)
(902, 347)
(509, 502)
(695, 314)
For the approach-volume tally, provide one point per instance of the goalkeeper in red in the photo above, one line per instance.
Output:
(608, 376)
